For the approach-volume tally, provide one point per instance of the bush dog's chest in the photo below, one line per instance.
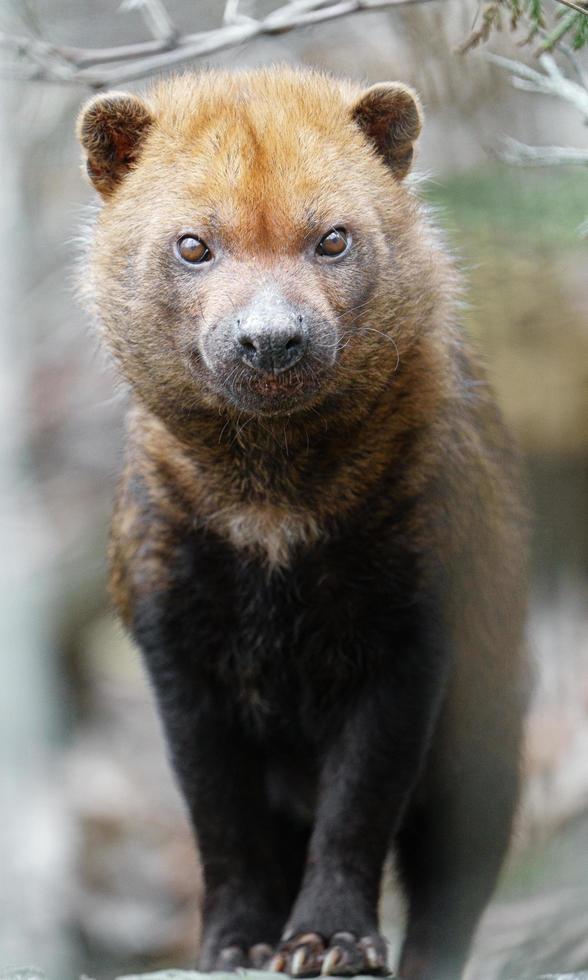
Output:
(288, 642)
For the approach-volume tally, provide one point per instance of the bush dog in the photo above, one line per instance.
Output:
(317, 542)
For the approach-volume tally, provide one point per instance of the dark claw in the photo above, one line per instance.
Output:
(304, 955)
(375, 955)
(300, 963)
(344, 957)
(305, 962)
(332, 962)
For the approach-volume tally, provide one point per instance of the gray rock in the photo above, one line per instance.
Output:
(194, 975)
(25, 973)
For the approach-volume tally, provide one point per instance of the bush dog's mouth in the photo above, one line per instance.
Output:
(273, 394)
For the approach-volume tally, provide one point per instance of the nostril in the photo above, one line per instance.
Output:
(247, 344)
(272, 348)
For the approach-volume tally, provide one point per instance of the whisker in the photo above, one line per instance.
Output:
(353, 309)
(386, 337)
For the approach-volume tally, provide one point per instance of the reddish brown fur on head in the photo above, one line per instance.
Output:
(259, 166)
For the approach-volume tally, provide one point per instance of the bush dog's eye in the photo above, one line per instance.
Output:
(333, 244)
(193, 250)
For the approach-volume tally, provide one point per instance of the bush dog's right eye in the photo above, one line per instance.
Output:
(193, 250)
(333, 244)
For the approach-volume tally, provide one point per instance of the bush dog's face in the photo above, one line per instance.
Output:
(248, 222)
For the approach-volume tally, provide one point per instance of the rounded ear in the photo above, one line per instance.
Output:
(391, 117)
(111, 129)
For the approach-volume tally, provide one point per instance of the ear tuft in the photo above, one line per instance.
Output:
(390, 116)
(111, 129)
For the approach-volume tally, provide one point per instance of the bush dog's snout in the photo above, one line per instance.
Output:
(270, 334)
(271, 351)
(272, 341)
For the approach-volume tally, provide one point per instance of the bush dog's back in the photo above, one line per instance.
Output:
(317, 539)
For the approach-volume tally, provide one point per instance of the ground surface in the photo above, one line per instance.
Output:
(248, 974)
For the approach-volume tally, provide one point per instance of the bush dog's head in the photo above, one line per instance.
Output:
(257, 249)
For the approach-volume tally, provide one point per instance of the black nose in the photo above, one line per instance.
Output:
(272, 350)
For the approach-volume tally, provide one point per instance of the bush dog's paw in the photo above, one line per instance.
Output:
(344, 955)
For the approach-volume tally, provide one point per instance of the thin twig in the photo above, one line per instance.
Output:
(231, 12)
(169, 48)
(521, 154)
(156, 17)
(554, 37)
(551, 81)
(574, 6)
(570, 54)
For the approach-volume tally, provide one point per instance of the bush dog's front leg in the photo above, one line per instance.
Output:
(221, 775)
(368, 773)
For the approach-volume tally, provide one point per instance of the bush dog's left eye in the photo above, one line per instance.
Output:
(193, 250)
(333, 244)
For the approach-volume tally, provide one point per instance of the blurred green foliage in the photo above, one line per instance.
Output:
(496, 201)
(539, 18)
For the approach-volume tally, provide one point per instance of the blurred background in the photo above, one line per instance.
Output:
(97, 869)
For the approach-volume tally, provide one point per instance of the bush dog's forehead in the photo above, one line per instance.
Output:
(246, 169)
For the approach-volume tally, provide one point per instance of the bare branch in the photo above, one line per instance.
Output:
(156, 17)
(574, 6)
(570, 54)
(89, 57)
(551, 81)
(231, 12)
(523, 155)
(554, 37)
(168, 49)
